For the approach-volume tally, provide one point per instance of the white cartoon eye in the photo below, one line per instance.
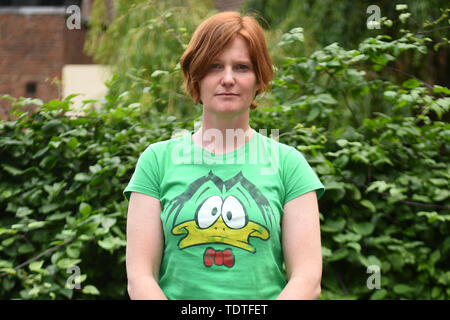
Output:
(233, 213)
(209, 212)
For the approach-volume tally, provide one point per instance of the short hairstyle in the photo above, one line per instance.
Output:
(210, 39)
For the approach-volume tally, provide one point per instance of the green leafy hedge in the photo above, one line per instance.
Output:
(61, 187)
(381, 149)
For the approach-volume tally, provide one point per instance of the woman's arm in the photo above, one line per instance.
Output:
(145, 242)
(302, 248)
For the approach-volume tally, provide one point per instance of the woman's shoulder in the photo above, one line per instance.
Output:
(274, 142)
(161, 147)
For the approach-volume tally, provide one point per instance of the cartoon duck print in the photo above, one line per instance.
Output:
(221, 217)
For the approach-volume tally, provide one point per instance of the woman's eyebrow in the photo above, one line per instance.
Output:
(244, 61)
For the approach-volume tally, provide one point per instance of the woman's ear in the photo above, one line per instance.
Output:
(257, 90)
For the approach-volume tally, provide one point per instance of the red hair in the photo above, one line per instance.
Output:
(210, 39)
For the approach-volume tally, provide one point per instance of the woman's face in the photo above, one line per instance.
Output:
(230, 85)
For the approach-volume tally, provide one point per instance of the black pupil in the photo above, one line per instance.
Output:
(214, 211)
(229, 215)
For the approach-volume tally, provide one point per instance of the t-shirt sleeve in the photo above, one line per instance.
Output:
(145, 178)
(299, 177)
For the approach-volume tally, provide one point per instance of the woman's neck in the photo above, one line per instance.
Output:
(222, 140)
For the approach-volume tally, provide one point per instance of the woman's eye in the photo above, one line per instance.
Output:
(215, 66)
(243, 67)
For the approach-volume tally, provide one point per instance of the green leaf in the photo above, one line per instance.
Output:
(52, 124)
(48, 162)
(435, 256)
(8, 241)
(332, 225)
(5, 264)
(369, 261)
(10, 271)
(354, 245)
(439, 182)
(380, 186)
(67, 262)
(411, 83)
(111, 243)
(342, 161)
(107, 222)
(25, 248)
(55, 189)
(403, 289)
(73, 251)
(326, 98)
(37, 224)
(294, 35)
(342, 142)
(369, 205)
(11, 170)
(390, 95)
(85, 209)
(72, 143)
(436, 292)
(338, 255)
(444, 103)
(400, 7)
(441, 195)
(363, 228)
(55, 144)
(23, 212)
(326, 252)
(439, 89)
(347, 237)
(58, 216)
(433, 216)
(36, 265)
(46, 208)
(158, 73)
(90, 289)
(70, 96)
(404, 16)
(82, 177)
(313, 114)
(379, 294)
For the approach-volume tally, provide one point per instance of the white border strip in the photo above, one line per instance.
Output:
(30, 10)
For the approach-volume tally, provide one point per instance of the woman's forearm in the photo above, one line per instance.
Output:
(145, 288)
(298, 289)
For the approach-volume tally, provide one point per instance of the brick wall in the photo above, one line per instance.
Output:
(34, 47)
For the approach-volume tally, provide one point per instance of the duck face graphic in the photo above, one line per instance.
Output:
(221, 217)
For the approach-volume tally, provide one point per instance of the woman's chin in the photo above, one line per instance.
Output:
(228, 108)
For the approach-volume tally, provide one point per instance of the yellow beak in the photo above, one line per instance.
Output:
(219, 232)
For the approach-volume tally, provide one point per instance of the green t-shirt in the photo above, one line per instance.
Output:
(221, 214)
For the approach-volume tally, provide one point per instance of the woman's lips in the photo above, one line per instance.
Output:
(227, 94)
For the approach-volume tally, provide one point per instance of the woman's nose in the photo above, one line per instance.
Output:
(228, 77)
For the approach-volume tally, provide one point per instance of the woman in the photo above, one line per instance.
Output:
(211, 218)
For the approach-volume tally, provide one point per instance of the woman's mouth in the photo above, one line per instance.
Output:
(227, 94)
